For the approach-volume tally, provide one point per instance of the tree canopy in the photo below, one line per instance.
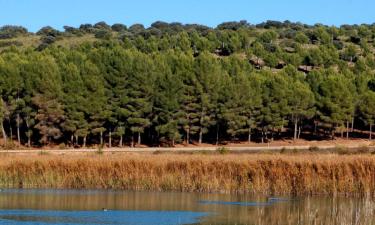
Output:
(176, 83)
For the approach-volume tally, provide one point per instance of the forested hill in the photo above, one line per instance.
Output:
(174, 83)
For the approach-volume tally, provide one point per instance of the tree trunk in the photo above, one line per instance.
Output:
(217, 134)
(18, 129)
(299, 132)
(352, 124)
(139, 138)
(110, 139)
(173, 142)
(11, 133)
(347, 129)
(295, 129)
(249, 135)
(120, 144)
(101, 138)
(28, 141)
(132, 142)
(72, 140)
(77, 140)
(84, 141)
(200, 135)
(370, 132)
(188, 136)
(315, 127)
(4, 133)
(28, 134)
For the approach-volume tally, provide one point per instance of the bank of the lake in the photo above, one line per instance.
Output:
(296, 174)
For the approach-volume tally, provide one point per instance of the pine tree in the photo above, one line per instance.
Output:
(243, 99)
(49, 117)
(301, 101)
(188, 113)
(207, 70)
(336, 103)
(138, 95)
(275, 106)
(167, 102)
(367, 110)
(97, 109)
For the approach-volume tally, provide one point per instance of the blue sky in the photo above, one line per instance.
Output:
(35, 14)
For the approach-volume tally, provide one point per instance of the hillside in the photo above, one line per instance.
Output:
(177, 83)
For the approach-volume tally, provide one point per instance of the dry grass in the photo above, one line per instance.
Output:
(253, 173)
(75, 41)
(33, 41)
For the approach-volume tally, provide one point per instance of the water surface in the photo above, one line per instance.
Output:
(154, 208)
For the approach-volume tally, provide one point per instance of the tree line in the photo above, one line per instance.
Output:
(174, 83)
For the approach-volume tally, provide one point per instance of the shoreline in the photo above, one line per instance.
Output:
(232, 147)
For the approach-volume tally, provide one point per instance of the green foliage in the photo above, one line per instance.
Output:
(367, 107)
(173, 83)
(43, 153)
(301, 38)
(100, 151)
(7, 32)
(223, 150)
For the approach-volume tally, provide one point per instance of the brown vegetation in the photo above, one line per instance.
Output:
(249, 173)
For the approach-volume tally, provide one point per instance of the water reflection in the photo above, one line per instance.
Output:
(237, 209)
(97, 217)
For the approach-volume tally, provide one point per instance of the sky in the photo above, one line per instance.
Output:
(34, 14)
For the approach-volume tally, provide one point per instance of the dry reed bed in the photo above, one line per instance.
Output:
(255, 173)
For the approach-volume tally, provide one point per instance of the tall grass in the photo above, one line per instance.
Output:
(255, 173)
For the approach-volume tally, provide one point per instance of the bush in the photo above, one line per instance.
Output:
(10, 145)
(7, 32)
(341, 150)
(338, 45)
(289, 151)
(103, 34)
(43, 152)
(314, 149)
(62, 146)
(363, 150)
(48, 39)
(222, 150)
(100, 150)
(10, 43)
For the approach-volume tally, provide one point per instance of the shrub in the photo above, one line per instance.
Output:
(341, 150)
(10, 43)
(363, 150)
(314, 149)
(289, 151)
(10, 145)
(100, 150)
(222, 150)
(43, 152)
(62, 146)
(103, 34)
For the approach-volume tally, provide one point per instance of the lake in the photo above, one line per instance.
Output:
(153, 208)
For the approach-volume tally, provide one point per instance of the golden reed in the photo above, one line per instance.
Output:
(245, 173)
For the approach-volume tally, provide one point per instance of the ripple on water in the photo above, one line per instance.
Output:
(269, 202)
(31, 217)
